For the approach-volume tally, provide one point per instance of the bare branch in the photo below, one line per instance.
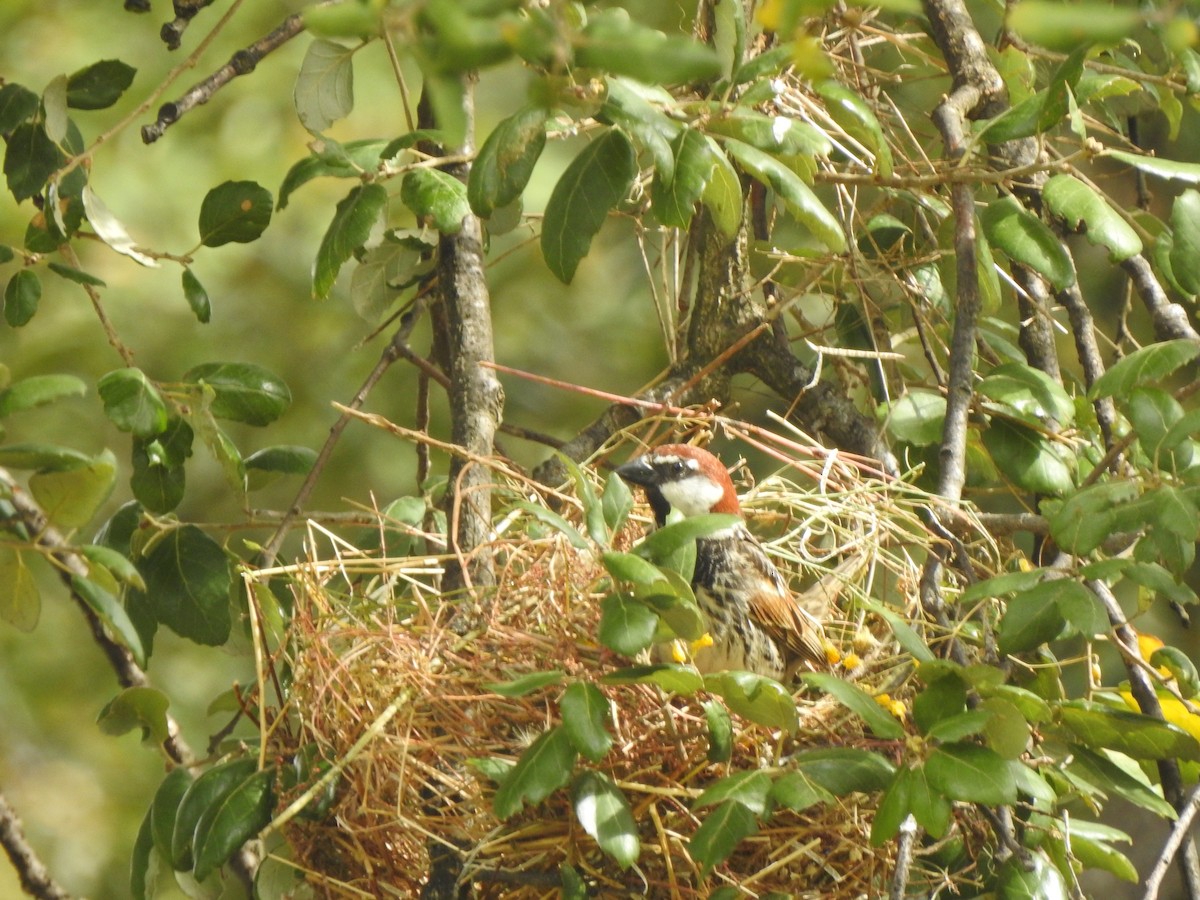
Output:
(241, 63)
(185, 11)
(1170, 319)
(1179, 833)
(35, 878)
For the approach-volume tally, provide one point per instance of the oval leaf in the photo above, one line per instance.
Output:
(1026, 239)
(505, 162)
(437, 196)
(604, 813)
(234, 212)
(353, 221)
(132, 403)
(542, 769)
(595, 182)
(243, 392)
(1080, 205)
(325, 86)
(882, 723)
(231, 821)
(187, 584)
(38, 390)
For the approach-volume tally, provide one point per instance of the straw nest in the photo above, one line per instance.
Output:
(401, 704)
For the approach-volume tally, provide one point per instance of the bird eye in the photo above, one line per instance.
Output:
(678, 467)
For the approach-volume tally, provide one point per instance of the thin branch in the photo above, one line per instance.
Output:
(1083, 329)
(185, 11)
(1179, 833)
(904, 854)
(243, 62)
(35, 878)
(1146, 698)
(392, 352)
(1170, 319)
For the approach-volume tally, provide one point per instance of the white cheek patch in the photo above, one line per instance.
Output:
(692, 496)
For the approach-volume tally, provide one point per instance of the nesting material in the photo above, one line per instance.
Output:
(371, 638)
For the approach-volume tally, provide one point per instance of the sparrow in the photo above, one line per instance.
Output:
(755, 623)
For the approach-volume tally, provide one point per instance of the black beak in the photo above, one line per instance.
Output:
(639, 472)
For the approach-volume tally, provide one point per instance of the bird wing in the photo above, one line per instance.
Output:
(773, 605)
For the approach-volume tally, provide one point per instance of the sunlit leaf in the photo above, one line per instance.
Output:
(325, 85)
(1079, 204)
(604, 813)
(543, 768)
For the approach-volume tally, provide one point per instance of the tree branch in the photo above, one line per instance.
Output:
(35, 878)
(243, 62)
(1170, 319)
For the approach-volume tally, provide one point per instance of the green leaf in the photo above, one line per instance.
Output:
(722, 195)
(750, 789)
(1149, 365)
(542, 769)
(188, 581)
(1033, 877)
(38, 390)
(263, 466)
(632, 568)
(617, 502)
(1029, 458)
(554, 520)
(844, 770)
(196, 296)
(665, 542)
(342, 20)
(1095, 854)
(674, 679)
(720, 731)
(132, 402)
(1136, 735)
(526, 684)
(99, 85)
(234, 212)
(1024, 238)
(20, 599)
(593, 184)
(632, 107)
(1028, 391)
(720, 833)
(137, 707)
(30, 159)
(236, 817)
(164, 809)
(916, 418)
(78, 276)
(348, 160)
(203, 795)
(21, 297)
(352, 224)
(615, 43)
(43, 457)
(778, 135)
(882, 723)
(437, 196)
(928, 805)
(158, 479)
(110, 611)
(1032, 618)
(505, 162)
(604, 813)
(1080, 205)
(243, 392)
(1064, 27)
(755, 697)
(848, 109)
(972, 774)
(1108, 777)
(1088, 517)
(626, 626)
(325, 85)
(795, 194)
(1159, 167)
(676, 194)
(17, 104)
(1181, 667)
(894, 807)
(70, 497)
(1153, 413)
(1185, 241)
(797, 792)
(585, 716)
(113, 561)
(384, 271)
(586, 491)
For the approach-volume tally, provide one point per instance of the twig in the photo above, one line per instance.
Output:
(904, 854)
(185, 11)
(71, 565)
(1147, 700)
(35, 878)
(1084, 330)
(243, 62)
(114, 340)
(392, 352)
(1179, 833)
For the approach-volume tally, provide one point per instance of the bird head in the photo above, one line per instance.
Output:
(683, 478)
